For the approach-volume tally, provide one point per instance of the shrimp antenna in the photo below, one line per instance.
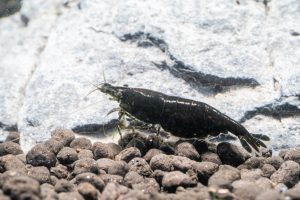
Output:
(96, 88)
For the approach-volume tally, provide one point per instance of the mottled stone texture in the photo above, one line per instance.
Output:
(241, 57)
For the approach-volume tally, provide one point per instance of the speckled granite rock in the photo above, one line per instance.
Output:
(239, 56)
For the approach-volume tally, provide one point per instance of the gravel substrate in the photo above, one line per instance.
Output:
(65, 167)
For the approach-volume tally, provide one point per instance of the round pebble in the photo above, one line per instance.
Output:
(40, 155)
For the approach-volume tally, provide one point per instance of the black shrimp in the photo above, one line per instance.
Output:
(181, 117)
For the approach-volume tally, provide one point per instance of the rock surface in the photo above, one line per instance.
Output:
(220, 52)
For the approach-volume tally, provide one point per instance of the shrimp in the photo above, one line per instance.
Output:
(181, 117)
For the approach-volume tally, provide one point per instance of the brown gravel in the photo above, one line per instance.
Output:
(65, 167)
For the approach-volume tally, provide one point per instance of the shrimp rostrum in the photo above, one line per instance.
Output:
(181, 117)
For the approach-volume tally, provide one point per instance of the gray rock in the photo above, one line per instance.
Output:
(128, 154)
(247, 190)
(224, 177)
(205, 170)
(136, 181)
(288, 173)
(251, 175)
(188, 150)
(270, 194)
(132, 178)
(41, 174)
(67, 155)
(63, 185)
(11, 162)
(252, 163)
(3, 196)
(293, 154)
(10, 148)
(113, 191)
(230, 154)
(267, 170)
(197, 193)
(85, 165)
(264, 183)
(101, 150)
(55, 88)
(9, 7)
(54, 145)
(85, 153)
(105, 163)
(69, 196)
(81, 143)
(114, 148)
(182, 163)
(47, 191)
(151, 153)
(90, 178)
(53, 180)
(211, 157)
(138, 143)
(107, 178)
(162, 162)
(39, 155)
(13, 136)
(282, 152)
(174, 179)
(88, 191)
(149, 185)
(275, 161)
(63, 135)
(158, 175)
(60, 171)
(293, 193)
(118, 168)
(18, 187)
(9, 174)
(140, 166)
(136, 194)
(280, 187)
(22, 157)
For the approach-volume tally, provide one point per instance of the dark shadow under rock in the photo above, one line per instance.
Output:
(9, 7)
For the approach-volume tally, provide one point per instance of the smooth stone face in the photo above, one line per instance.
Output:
(270, 194)
(247, 190)
(128, 154)
(267, 170)
(140, 166)
(20, 185)
(205, 170)
(41, 174)
(90, 178)
(85, 165)
(11, 162)
(197, 50)
(40, 155)
(224, 177)
(174, 179)
(113, 191)
(60, 171)
(10, 148)
(88, 191)
(187, 150)
(288, 173)
(230, 154)
(162, 162)
(275, 161)
(63, 185)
